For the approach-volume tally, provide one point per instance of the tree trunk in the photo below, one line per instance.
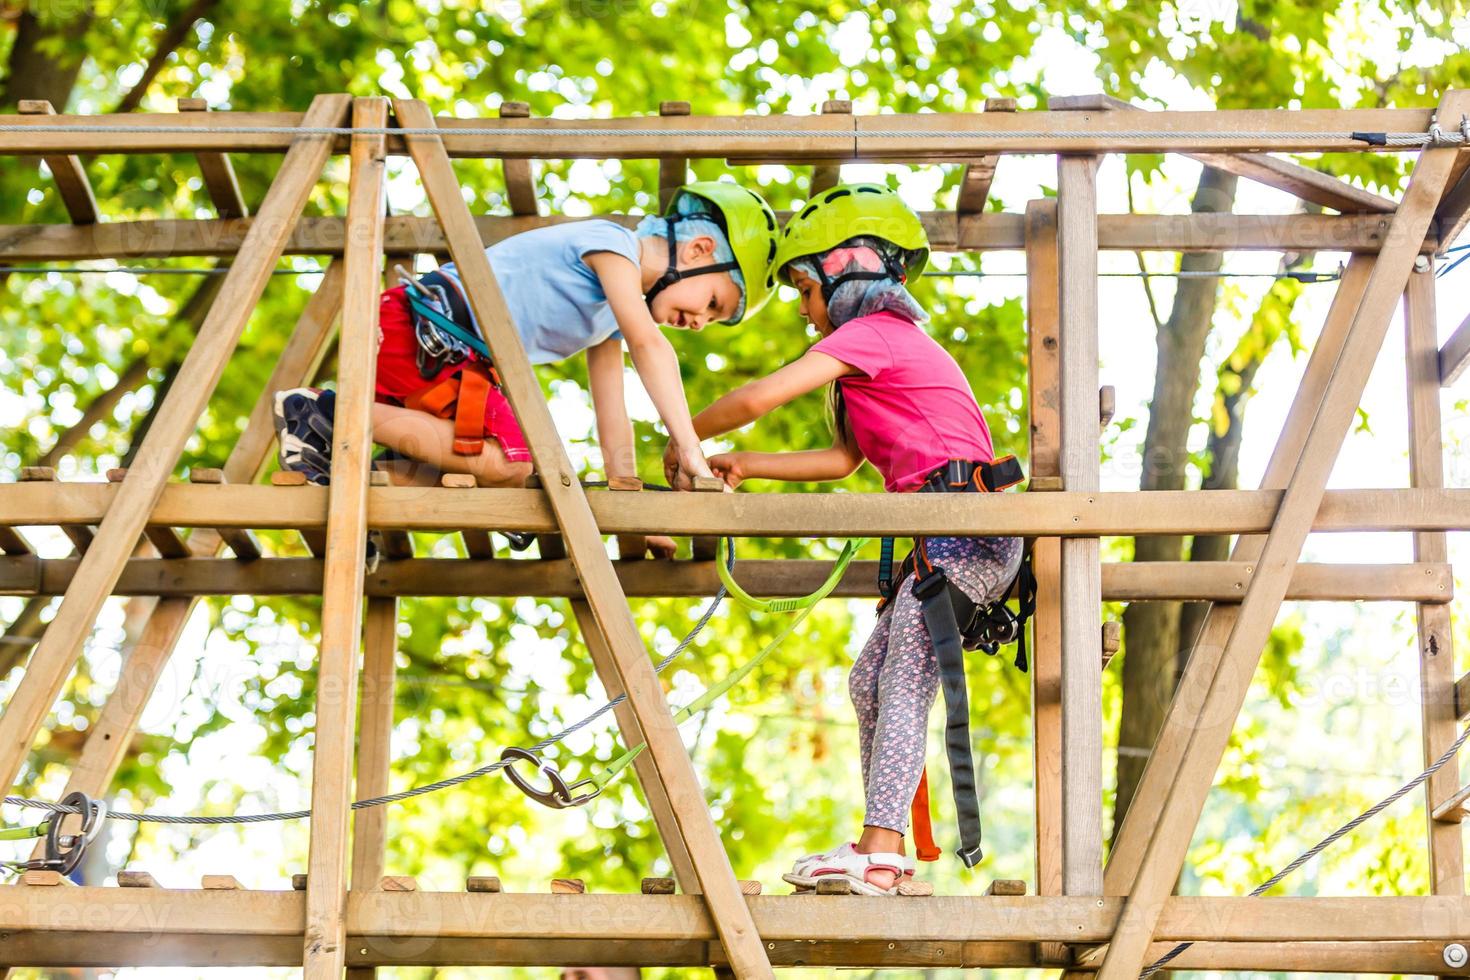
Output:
(1151, 629)
(35, 73)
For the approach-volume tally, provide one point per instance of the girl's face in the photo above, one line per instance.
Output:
(813, 304)
(694, 302)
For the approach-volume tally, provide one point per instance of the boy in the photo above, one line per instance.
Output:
(578, 286)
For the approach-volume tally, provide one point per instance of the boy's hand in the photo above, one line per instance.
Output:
(729, 467)
(661, 546)
(671, 461)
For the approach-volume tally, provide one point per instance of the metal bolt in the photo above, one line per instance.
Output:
(1421, 263)
(1455, 956)
(566, 481)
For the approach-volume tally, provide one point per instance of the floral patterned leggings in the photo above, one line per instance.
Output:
(895, 680)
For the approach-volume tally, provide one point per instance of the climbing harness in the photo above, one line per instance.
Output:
(563, 794)
(446, 336)
(957, 623)
(63, 851)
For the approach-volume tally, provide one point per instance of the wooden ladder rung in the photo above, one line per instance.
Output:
(220, 883)
(135, 879)
(631, 547)
(1452, 810)
(657, 886)
(482, 884)
(1006, 886)
(704, 547)
(568, 886)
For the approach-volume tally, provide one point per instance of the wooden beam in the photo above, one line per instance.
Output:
(1121, 581)
(1081, 573)
(135, 497)
(828, 173)
(1436, 639)
(1044, 406)
(1454, 211)
(135, 241)
(584, 543)
(1164, 856)
(1454, 356)
(672, 171)
(757, 515)
(240, 541)
(66, 172)
(342, 574)
(218, 173)
(979, 174)
(1303, 182)
(1164, 759)
(520, 181)
(375, 748)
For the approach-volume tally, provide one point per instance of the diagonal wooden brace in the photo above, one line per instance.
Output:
(1164, 854)
(609, 607)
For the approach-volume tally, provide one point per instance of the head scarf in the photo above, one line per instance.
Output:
(863, 297)
(700, 223)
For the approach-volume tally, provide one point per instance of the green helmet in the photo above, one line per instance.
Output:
(750, 227)
(850, 211)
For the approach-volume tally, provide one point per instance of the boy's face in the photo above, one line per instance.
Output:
(813, 304)
(694, 302)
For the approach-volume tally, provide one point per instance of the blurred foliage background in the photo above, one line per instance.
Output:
(232, 728)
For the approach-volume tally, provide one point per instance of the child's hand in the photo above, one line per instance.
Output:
(661, 546)
(686, 466)
(671, 461)
(729, 467)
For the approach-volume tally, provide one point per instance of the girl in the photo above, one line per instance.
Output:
(572, 287)
(902, 403)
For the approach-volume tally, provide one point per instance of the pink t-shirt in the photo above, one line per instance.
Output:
(911, 408)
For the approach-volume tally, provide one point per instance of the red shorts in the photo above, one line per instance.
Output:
(399, 378)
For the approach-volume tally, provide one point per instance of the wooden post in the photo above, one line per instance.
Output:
(828, 174)
(218, 173)
(66, 171)
(375, 748)
(520, 180)
(52, 660)
(1042, 333)
(1081, 570)
(336, 701)
(727, 907)
(1164, 855)
(1436, 641)
(672, 171)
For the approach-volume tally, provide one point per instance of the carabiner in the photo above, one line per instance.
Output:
(559, 795)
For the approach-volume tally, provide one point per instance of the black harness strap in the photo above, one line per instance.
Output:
(957, 623)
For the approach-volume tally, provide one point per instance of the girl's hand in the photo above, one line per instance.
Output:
(689, 464)
(729, 467)
(671, 462)
(661, 546)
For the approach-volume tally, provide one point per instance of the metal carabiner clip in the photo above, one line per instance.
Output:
(65, 851)
(559, 795)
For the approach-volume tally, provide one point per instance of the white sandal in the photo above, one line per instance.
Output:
(847, 863)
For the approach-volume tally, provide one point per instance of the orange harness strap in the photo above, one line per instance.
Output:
(923, 826)
(463, 397)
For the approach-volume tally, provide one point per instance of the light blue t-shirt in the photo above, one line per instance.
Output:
(555, 298)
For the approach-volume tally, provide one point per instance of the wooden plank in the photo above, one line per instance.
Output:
(827, 174)
(704, 547)
(54, 656)
(755, 515)
(520, 182)
(1303, 182)
(80, 535)
(568, 886)
(774, 138)
(631, 547)
(135, 879)
(374, 739)
(220, 883)
(1436, 638)
(1164, 855)
(1164, 758)
(1451, 810)
(1044, 405)
(1454, 357)
(1081, 572)
(482, 884)
(165, 539)
(672, 171)
(1121, 581)
(218, 173)
(990, 231)
(240, 541)
(341, 630)
(979, 174)
(609, 608)
(11, 542)
(1454, 211)
(66, 172)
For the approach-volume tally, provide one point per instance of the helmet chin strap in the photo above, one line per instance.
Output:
(672, 272)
